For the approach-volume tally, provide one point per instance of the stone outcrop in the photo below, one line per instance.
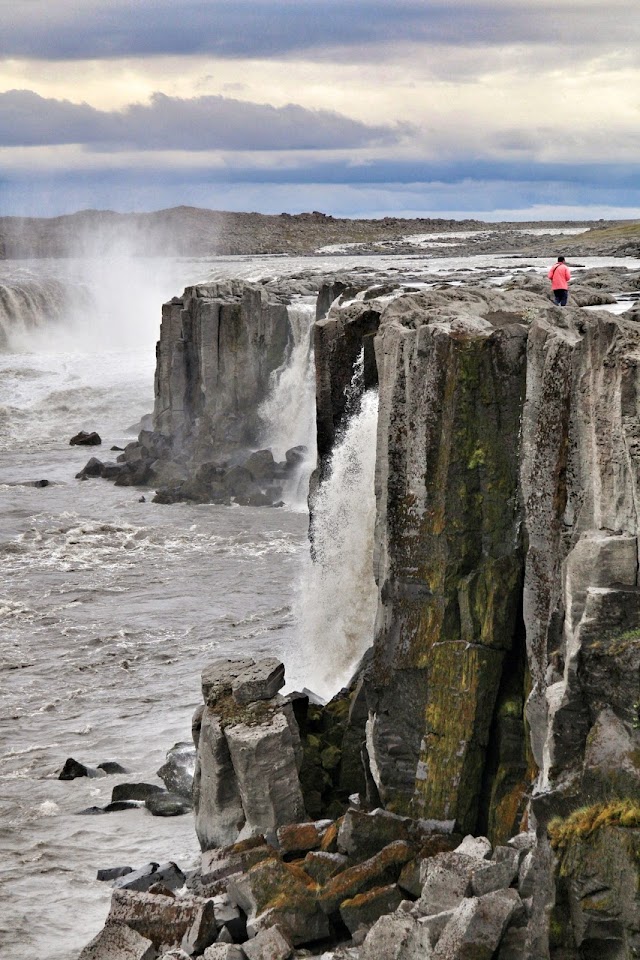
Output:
(219, 346)
(248, 753)
(506, 556)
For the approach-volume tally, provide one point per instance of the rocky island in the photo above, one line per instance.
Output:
(475, 791)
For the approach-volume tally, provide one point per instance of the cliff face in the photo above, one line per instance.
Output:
(218, 346)
(506, 560)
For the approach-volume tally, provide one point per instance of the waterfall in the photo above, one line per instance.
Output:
(288, 414)
(30, 307)
(338, 594)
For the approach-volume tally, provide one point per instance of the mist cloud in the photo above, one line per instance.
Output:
(172, 123)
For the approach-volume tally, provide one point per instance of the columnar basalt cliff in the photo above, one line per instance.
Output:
(507, 516)
(218, 346)
(501, 696)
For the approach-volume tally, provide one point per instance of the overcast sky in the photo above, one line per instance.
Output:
(501, 109)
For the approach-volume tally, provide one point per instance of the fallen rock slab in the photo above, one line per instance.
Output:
(260, 681)
(382, 869)
(271, 944)
(476, 927)
(203, 931)
(162, 919)
(117, 941)
(364, 909)
(224, 951)
(168, 874)
(276, 893)
(396, 936)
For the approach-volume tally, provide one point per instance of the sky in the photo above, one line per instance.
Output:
(499, 109)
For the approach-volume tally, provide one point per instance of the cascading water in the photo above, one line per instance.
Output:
(338, 595)
(288, 413)
(30, 305)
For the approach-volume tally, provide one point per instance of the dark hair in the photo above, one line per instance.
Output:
(560, 259)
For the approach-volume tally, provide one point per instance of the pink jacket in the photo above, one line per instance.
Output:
(559, 276)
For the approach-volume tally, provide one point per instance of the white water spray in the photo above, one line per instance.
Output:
(338, 594)
(288, 413)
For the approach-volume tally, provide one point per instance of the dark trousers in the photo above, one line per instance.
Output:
(561, 297)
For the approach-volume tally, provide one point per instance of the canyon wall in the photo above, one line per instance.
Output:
(504, 688)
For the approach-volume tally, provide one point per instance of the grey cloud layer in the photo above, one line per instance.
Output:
(83, 29)
(201, 123)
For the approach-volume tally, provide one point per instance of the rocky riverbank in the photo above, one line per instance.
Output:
(475, 791)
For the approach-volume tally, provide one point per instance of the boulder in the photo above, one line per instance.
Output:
(489, 876)
(361, 835)
(135, 791)
(73, 769)
(396, 936)
(270, 944)
(112, 767)
(203, 931)
(296, 455)
(382, 869)
(478, 847)
(117, 941)
(218, 677)
(113, 873)
(261, 466)
(322, 866)
(224, 951)
(92, 468)
(177, 770)
(260, 681)
(239, 482)
(162, 919)
(85, 439)
(273, 892)
(364, 909)
(117, 805)
(446, 879)
(169, 874)
(476, 927)
(168, 805)
(298, 838)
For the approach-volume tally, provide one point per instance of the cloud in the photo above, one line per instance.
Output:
(165, 123)
(88, 29)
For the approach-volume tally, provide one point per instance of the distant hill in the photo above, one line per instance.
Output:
(195, 232)
(620, 240)
(190, 231)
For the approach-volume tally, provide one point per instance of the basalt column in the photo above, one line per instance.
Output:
(449, 559)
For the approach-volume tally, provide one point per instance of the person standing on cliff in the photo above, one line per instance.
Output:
(560, 276)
